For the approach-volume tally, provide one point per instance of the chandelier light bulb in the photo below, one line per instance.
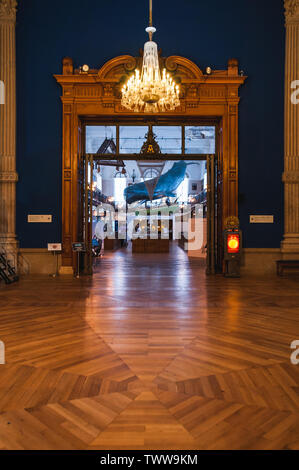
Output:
(149, 91)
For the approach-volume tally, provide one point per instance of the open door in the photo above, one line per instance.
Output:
(219, 202)
(211, 268)
(86, 212)
(214, 216)
(211, 215)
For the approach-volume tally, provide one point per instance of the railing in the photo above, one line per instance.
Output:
(23, 264)
(8, 264)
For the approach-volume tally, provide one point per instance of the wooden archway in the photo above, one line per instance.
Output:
(96, 94)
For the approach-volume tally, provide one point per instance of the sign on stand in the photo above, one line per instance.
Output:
(78, 247)
(55, 248)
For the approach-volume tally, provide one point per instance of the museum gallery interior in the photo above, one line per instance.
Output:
(149, 225)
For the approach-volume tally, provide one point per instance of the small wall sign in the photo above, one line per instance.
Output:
(54, 247)
(261, 219)
(43, 219)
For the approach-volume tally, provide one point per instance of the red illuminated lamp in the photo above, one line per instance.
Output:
(233, 243)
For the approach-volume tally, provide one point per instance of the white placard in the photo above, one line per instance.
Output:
(54, 247)
(44, 219)
(261, 219)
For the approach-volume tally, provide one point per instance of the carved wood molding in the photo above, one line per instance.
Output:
(8, 9)
(103, 86)
(291, 10)
(114, 68)
(290, 177)
(8, 177)
(184, 67)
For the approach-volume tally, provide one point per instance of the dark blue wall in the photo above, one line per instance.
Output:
(94, 31)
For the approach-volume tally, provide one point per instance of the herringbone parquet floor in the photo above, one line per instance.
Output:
(149, 354)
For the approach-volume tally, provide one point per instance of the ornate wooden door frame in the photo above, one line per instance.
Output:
(96, 94)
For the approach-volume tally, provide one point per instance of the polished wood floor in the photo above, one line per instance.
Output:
(149, 354)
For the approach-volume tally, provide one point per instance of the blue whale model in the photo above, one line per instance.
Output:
(166, 186)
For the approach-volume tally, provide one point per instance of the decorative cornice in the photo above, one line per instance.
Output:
(291, 10)
(8, 9)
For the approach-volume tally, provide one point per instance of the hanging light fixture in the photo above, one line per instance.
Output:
(150, 91)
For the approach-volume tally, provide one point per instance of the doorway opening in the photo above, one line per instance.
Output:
(93, 98)
(164, 203)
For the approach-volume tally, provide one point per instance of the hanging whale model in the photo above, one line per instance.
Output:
(166, 186)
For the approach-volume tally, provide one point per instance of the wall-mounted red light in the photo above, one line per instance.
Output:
(233, 243)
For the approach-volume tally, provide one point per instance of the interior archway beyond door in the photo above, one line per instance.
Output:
(112, 146)
(96, 95)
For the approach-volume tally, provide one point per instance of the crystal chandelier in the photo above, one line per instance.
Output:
(150, 91)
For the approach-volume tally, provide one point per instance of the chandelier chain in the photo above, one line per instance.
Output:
(150, 12)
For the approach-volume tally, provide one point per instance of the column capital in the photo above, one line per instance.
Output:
(290, 177)
(291, 11)
(8, 176)
(8, 9)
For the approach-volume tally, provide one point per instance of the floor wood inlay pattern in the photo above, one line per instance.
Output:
(149, 354)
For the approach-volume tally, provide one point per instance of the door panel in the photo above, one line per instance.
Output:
(86, 211)
(219, 200)
(211, 226)
(214, 216)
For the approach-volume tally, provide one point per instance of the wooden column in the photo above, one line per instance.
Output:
(231, 166)
(68, 162)
(8, 175)
(290, 243)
